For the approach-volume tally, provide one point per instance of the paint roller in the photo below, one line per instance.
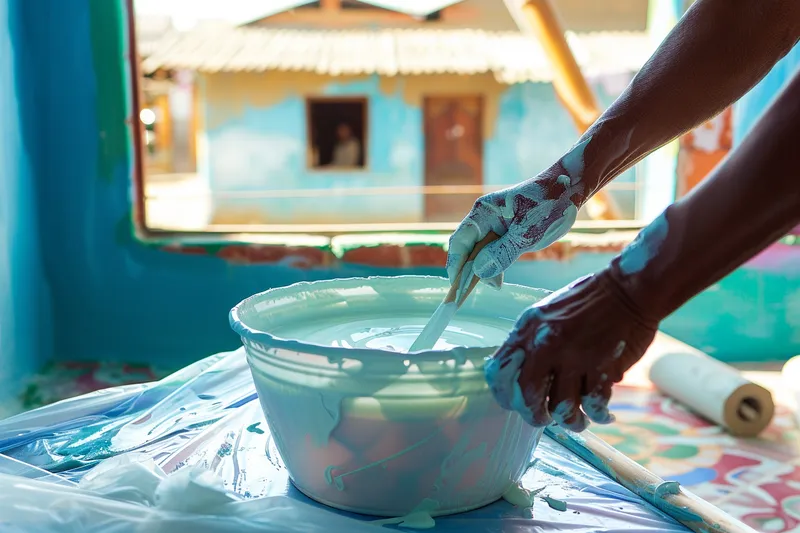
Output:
(460, 289)
(710, 388)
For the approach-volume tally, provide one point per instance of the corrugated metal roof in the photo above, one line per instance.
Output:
(511, 56)
(418, 8)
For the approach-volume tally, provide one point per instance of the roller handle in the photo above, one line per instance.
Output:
(693, 512)
(453, 292)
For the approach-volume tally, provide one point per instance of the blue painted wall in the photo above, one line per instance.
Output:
(252, 146)
(750, 107)
(24, 320)
(114, 298)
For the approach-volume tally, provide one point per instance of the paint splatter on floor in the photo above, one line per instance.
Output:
(557, 505)
(253, 428)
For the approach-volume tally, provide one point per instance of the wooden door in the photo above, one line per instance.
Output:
(453, 155)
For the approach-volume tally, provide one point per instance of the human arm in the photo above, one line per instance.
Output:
(717, 52)
(566, 352)
(749, 202)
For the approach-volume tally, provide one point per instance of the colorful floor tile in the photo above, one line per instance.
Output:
(59, 381)
(755, 480)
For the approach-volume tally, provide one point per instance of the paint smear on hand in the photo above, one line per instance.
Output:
(643, 249)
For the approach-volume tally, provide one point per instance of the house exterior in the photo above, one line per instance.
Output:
(439, 108)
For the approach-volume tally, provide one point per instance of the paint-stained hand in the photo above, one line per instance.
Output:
(566, 351)
(528, 217)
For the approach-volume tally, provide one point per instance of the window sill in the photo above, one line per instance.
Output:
(380, 250)
(338, 170)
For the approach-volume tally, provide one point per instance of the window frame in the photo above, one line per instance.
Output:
(310, 100)
(137, 130)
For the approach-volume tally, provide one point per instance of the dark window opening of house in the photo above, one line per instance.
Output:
(432, 17)
(346, 4)
(337, 133)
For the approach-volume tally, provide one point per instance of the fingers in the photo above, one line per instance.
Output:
(516, 392)
(565, 402)
(462, 241)
(534, 392)
(518, 384)
(595, 404)
(502, 374)
(495, 282)
(496, 257)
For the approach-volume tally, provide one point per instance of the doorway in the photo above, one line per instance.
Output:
(453, 155)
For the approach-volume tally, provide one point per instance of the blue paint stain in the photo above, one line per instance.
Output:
(596, 409)
(644, 248)
(549, 469)
(253, 428)
(696, 476)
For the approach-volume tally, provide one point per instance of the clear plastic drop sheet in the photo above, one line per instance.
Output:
(192, 453)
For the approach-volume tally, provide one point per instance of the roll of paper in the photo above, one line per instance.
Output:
(791, 381)
(710, 388)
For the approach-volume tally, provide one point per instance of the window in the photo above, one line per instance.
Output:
(337, 138)
(294, 127)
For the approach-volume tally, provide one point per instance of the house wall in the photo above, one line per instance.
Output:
(255, 138)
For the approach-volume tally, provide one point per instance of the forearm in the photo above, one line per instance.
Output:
(716, 53)
(751, 200)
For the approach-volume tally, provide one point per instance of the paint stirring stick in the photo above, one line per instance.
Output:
(462, 286)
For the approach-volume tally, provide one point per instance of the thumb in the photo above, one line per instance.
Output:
(495, 258)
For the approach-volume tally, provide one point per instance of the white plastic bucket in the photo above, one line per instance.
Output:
(365, 429)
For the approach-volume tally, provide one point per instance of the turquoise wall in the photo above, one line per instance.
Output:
(264, 148)
(749, 108)
(24, 320)
(66, 233)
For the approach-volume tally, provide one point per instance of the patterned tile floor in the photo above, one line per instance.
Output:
(756, 480)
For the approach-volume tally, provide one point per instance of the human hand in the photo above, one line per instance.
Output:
(528, 217)
(566, 351)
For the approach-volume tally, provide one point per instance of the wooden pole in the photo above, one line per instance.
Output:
(668, 497)
(164, 132)
(570, 84)
(331, 5)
